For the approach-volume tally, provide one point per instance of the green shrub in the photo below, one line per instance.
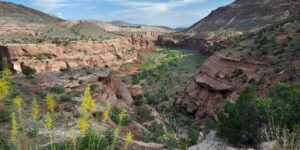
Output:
(286, 104)
(146, 136)
(65, 98)
(242, 121)
(114, 115)
(28, 72)
(93, 141)
(237, 72)
(80, 81)
(138, 100)
(5, 114)
(157, 129)
(143, 114)
(58, 89)
(4, 143)
(192, 136)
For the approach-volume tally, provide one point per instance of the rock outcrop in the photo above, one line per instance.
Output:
(212, 142)
(55, 56)
(200, 43)
(216, 81)
(245, 15)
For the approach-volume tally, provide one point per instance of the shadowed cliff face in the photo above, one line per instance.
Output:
(247, 15)
(5, 54)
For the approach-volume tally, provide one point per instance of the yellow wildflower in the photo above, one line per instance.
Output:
(4, 88)
(14, 128)
(106, 112)
(50, 103)
(82, 125)
(17, 101)
(72, 135)
(87, 100)
(6, 73)
(128, 139)
(35, 110)
(122, 115)
(49, 122)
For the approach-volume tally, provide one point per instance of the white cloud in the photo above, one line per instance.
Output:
(154, 7)
(49, 5)
(156, 13)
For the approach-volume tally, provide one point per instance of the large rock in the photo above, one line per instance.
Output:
(212, 142)
(207, 92)
(272, 145)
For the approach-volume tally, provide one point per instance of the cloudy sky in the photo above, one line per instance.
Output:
(173, 13)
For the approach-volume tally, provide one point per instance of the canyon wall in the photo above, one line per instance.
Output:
(215, 82)
(50, 56)
(197, 42)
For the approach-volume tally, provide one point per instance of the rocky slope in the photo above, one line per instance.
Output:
(55, 56)
(106, 88)
(244, 15)
(262, 58)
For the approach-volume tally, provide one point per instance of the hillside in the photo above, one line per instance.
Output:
(244, 15)
(261, 58)
(11, 11)
(128, 27)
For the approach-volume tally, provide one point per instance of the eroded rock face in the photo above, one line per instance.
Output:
(53, 57)
(200, 43)
(216, 82)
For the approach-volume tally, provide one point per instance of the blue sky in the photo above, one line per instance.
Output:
(173, 13)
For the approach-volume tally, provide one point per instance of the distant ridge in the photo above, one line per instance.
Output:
(11, 11)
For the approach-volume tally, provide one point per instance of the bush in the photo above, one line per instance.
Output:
(242, 122)
(146, 136)
(5, 114)
(156, 129)
(115, 116)
(237, 72)
(65, 98)
(285, 104)
(28, 72)
(143, 114)
(58, 89)
(192, 136)
(4, 143)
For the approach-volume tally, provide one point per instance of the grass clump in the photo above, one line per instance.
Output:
(58, 89)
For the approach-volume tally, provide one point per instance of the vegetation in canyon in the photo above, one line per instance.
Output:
(92, 85)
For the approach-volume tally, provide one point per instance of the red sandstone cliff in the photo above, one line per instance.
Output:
(53, 57)
(215, 82)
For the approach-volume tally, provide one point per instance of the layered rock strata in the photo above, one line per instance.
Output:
(215, 82)
(51, 56)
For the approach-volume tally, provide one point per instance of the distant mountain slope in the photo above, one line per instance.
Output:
(125, 26)
(245, 15)
(11, 11)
